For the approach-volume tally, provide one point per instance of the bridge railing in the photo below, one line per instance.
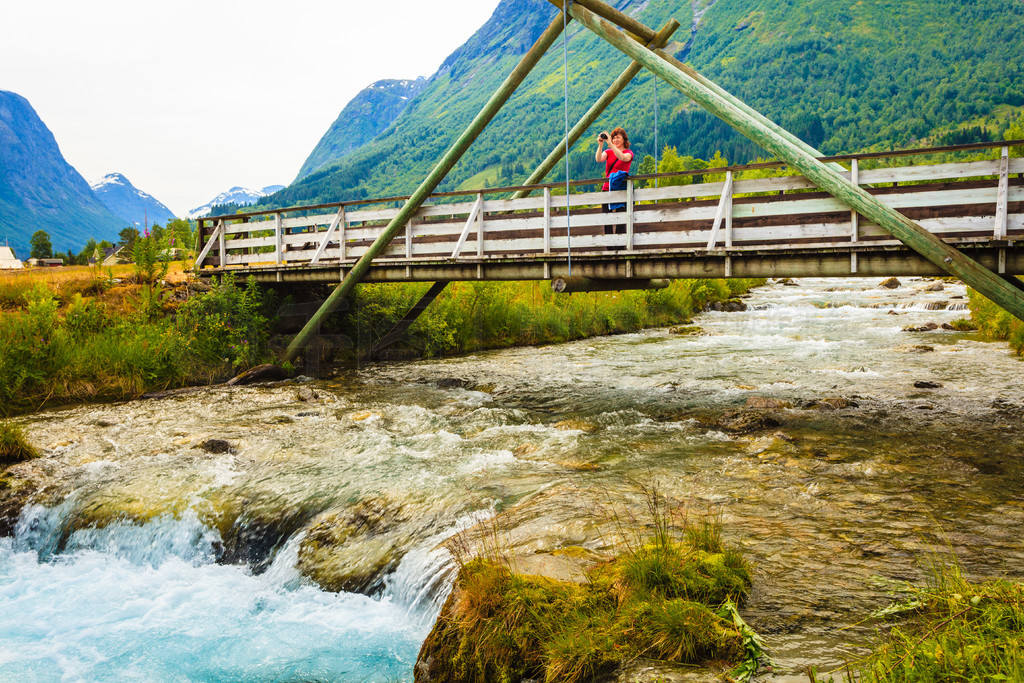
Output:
(971, 201)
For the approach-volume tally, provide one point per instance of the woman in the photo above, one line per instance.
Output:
(617, 157)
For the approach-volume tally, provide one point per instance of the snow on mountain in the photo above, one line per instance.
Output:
(129, 203)
(242, 196)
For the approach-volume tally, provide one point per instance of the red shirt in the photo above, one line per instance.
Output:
(612, 164)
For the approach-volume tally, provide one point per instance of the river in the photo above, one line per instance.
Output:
(145, 555)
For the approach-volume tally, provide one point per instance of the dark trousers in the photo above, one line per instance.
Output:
(614, 229)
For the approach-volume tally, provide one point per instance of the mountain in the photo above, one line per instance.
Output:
(130, 204)
(846, 75)
(39, 190)
(363, 118)
(239, 196)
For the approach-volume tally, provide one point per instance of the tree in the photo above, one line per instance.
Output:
(41, 246)
(126, 238)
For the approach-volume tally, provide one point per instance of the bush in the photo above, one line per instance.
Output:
(996, 323)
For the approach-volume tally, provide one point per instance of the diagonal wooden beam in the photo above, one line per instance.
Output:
(656, 40)
(828, 179)
(440, 170)
(406, 322)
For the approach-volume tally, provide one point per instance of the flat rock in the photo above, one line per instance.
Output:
(925, 384)
(933, 287)
(766, 403)
(927, 327)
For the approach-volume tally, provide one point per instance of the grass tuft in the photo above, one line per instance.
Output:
(661, 599)
(960, 631)
(14, 446)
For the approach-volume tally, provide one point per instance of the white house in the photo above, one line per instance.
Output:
(7, 260)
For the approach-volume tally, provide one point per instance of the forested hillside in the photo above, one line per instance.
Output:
(846, 75)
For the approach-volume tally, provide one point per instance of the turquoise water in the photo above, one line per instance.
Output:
(148, 603)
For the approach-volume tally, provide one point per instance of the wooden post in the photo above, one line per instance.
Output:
(854, 216)
(480, 227)
(278, 241)
(440, 170)
(910, 233)
(222, 247)
(342, 223)
(547, 231)
(629, 214)
(1001, 196)
(655, 40)
(408, 239)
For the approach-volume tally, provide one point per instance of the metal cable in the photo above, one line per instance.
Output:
(565, 92)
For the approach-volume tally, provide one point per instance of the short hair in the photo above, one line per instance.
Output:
(625, 138)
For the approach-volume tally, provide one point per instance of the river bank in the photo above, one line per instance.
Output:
(86, 334)
(798, 420)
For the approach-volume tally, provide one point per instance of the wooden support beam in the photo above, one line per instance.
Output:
(339, 219)
(657, 40)
(725, 201)
(828, 179)
(578, 283)
(406, 322)
(645, 34)
(477, 206)
(429, 184)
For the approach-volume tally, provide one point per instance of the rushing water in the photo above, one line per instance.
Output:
(148, 557)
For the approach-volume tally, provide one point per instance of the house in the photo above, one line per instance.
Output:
(7, 260)
(110, 256)
(45, 262)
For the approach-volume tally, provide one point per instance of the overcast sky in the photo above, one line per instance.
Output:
(190, 97)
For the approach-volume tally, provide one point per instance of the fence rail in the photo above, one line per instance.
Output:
(974, 202)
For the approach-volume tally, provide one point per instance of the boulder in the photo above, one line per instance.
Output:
(936, 305)
(933, 287)
(216, 446)
(352, 549)
(925, 384)
(832, 403)
(786, 281)
(306, 394)
(890, 283)
(728, 306)
(261, 373)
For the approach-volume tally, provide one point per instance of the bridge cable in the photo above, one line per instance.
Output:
(565, 91)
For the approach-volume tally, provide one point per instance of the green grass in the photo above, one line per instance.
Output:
(661, 598)
(470, 316)
(960, 631)
(995, 323)
(14, 446)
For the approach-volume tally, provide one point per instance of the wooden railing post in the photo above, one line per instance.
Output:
(629, 214)
(222, 247)
(480, 226)
(278, 239)
(854, 216)
(1003, 194)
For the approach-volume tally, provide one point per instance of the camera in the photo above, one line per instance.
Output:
(602, 136)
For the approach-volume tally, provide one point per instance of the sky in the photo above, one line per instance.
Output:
(191, 97)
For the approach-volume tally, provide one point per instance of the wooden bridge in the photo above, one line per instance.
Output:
(728, 226)
(959, 219)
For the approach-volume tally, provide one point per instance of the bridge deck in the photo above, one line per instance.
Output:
(757, 227)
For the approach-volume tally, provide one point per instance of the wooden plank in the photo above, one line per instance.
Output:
(547, 220)
(1002, 195)
(480, 228)
(629, 214)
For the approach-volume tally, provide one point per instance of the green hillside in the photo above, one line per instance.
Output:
(845, 75)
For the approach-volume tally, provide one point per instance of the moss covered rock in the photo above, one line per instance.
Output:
(656, 602)
(352, 549)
